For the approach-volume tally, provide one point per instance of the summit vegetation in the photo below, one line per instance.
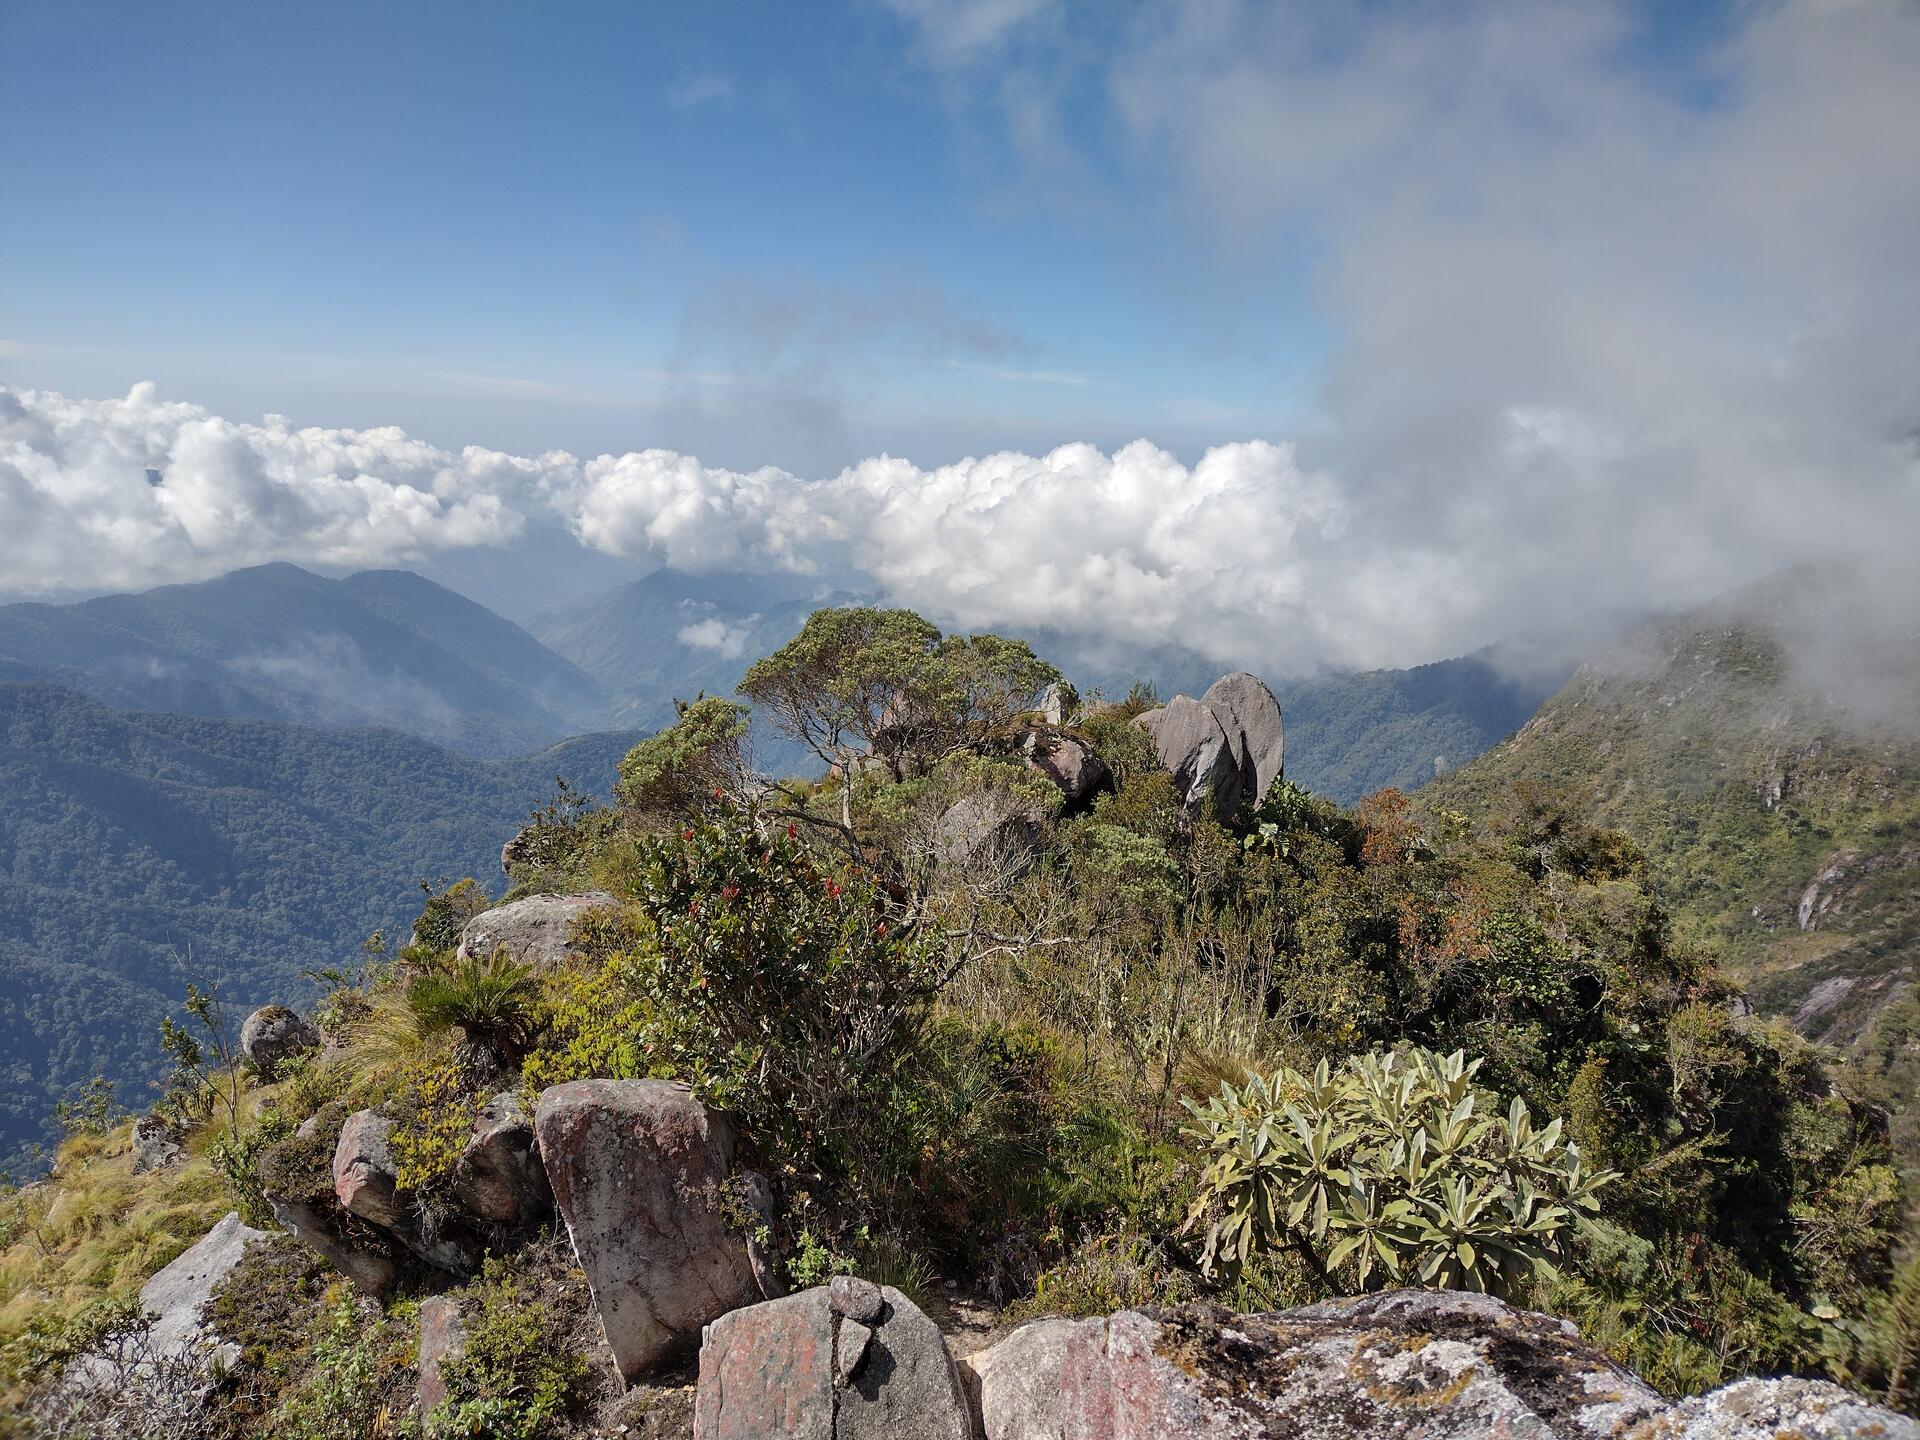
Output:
(1069, 1043)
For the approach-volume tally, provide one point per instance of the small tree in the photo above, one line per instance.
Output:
(884, 683)
(677, 771)
(1387, 1171)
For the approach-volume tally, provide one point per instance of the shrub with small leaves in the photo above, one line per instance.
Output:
(514, 1377)
(1388, 1170)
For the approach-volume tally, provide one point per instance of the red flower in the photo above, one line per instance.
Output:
(881, 928)
(833, 889)
(793, 831)
(730, 892)
(687, 834)
(693, 907)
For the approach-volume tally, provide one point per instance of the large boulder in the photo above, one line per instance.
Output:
(846, 1361)
(178, 1290)
(1066, 760)
(640, 1171)
(536, 931)
(499, 1178)
(273, 1035)
(1426, 1364)
(1188, 738)
(1250, 716)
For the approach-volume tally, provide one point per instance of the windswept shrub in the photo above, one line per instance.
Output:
(678, 771)
(778, 985)
(1387, 1171)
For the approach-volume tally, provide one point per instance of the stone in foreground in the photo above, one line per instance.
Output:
(499, 1178)
(640, 1170)
(536, 931)
(849, 1361)
(442, 1334)
(1426, 1364)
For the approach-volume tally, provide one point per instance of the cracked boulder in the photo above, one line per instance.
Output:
(1408, 1363)
(366, 1183)
(643, 1175)
(1196, 751)
(499, 1178)
(846, 1361)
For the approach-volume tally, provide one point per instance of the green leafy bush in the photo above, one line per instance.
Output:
(778, 985)
(514, 1377)
(1387, 1171)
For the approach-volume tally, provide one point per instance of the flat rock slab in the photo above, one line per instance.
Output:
(1409, 1364)
(639, 1170)
(175, 1295)
(536, 931)
(849, 1361)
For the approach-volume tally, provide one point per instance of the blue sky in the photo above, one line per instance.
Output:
(1440, 321)
(373, 202)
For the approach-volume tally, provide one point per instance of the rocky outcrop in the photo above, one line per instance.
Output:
(537, 931)
(1066, 760)
(273, 1035)
(155, 1146)
(1225, 748)
(442, 1333)
(176, 1293)
(1428, 1364)
(1250, 716)
(640, 1171)
(1058, 702)
(366, 1182)
(846, 1361)
(989, 831)
(499, 1178)
(1197, 752)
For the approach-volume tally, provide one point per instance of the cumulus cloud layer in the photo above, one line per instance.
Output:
(1248, 556)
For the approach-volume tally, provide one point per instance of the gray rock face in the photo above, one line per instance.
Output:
(1250, 716)
(536, 931)
(177, 1291)
(639, 1170)
(850, 1361)
(1768, 1409)
(1196, 751)
(499, 1177)
(154, 1145)
(273, 1035)
(987, 831)
(1226, 745)
(1067, 761)
(1426, 1364)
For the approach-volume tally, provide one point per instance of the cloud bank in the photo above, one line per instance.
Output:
(1247, 556)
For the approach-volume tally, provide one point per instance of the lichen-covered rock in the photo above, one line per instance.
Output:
(846, 1361)
(1767, 1409)
(1430, 1364)
(1250, 716)
(366, 1182)
(499, 1177)
(1195, 750)
(441, 1336)
(536, 931)
(640, 1171)
(273, 1035)
(155, 1146)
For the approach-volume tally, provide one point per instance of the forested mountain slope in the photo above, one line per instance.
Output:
(276, 642)
(1765, 752)
(133, 846)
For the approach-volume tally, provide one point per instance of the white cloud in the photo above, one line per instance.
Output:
(726, 639)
